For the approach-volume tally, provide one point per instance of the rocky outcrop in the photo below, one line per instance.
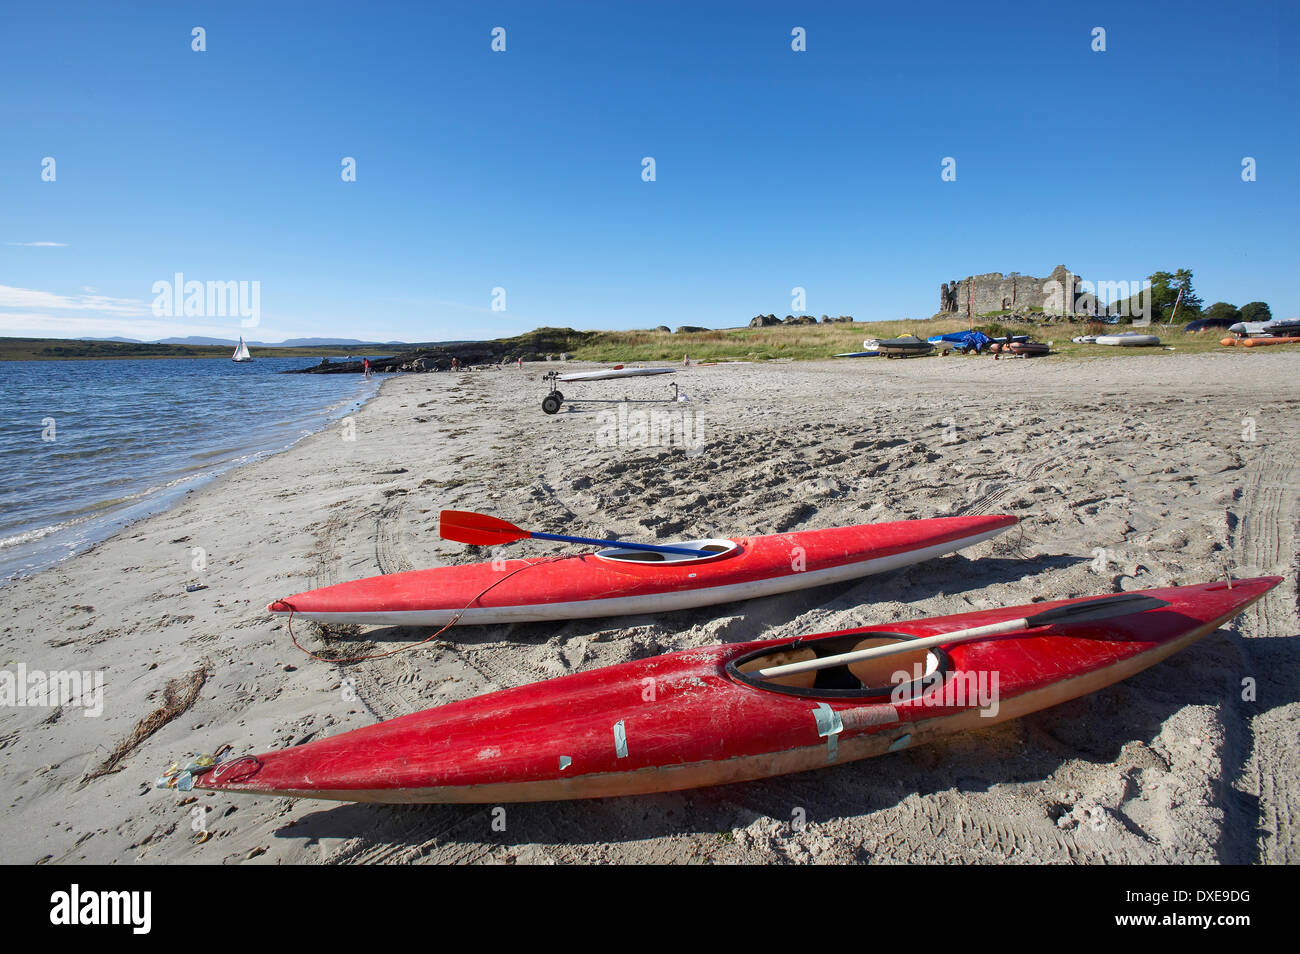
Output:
(689, 329)
(540, 345)
(800, 320)
(764, 321)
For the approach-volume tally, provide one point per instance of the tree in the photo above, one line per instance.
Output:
(1164, 292)
(1221, 309)
(1256, 311)
(1182, 282)
(1162, 295)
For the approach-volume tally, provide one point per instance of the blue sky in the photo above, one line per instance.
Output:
(523, 169)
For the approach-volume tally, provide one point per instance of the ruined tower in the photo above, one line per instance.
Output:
(975, 295)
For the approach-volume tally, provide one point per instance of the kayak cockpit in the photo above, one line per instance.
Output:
(869, 678)
(705, 550)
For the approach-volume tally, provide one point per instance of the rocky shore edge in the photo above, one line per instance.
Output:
(544, 344)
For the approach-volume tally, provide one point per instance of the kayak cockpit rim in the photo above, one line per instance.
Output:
(707, 550)
(868, 679)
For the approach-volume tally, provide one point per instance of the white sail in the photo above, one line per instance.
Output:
(241, 353)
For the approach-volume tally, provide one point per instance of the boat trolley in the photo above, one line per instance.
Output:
(554, 400)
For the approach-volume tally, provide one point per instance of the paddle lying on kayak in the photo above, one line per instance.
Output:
(1102, 607)
(623, 580)
(706, 717)
(480, 529)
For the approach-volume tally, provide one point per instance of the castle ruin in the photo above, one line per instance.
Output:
(976, 295)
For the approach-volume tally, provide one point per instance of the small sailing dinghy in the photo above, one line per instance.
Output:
(241, 354)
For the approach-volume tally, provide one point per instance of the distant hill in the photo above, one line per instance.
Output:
(320, 342)
(200, 341)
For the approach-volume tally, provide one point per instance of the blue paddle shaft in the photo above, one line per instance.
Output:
(617, 543)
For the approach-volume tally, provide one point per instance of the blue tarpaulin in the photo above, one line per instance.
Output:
(963, 338)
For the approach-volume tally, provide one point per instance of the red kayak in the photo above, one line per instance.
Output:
(703, 717)
(620, 581)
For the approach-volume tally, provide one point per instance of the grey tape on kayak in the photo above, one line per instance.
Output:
(620, 739)
(829, 726)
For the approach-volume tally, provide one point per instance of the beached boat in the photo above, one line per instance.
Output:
(611, 373)
(1029, 349)
(241, 355)
(716, 715)
(1260, 342)
(623, 581)
(1129, 339)
(908, 346)
(959, 337)
(1207, 324)
(1282, 327)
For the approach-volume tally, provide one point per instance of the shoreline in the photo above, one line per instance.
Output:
(151, 501)
(1146, 463)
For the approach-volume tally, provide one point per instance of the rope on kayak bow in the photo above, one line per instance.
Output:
(392, 652)
(250, 765)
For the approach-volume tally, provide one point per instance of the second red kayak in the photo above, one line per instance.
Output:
(714, 715)
(618, 581)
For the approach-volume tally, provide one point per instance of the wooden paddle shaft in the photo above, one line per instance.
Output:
(902, 646)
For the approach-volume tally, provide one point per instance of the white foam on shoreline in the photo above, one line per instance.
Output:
(105, 518)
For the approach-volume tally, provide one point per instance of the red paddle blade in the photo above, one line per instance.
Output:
(465, 526)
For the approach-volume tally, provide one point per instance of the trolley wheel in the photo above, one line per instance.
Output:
(558, 395)
(551, 403)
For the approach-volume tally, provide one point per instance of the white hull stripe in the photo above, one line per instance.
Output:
(651, 602)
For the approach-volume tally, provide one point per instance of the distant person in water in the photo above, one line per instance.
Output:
(365, 365)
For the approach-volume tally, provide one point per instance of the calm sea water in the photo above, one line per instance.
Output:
(88, 446)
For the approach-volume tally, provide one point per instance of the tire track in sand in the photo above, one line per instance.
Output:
(1265, 539)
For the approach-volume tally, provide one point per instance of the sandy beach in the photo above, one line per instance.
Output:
(1128, 472)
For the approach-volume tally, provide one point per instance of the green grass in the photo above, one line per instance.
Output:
(813, 342)
(1175, 337)
(799, 342)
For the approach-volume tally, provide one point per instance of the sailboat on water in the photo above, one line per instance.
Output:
(241, 353)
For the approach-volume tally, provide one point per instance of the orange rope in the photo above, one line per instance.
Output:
(392, 652)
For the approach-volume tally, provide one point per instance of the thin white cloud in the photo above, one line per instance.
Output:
(31, 313)
(38, 244)
(37, 325)
(11, 297)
